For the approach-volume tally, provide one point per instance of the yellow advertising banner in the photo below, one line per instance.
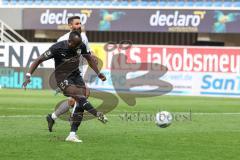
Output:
(98, 50)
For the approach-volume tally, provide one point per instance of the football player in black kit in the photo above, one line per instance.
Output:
(67, 74)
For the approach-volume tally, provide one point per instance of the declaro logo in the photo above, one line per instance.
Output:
(61, 17)
(175, 19)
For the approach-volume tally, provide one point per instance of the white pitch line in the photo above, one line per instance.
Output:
(116, 115)
(21, 116)
(237, 113)
(40, 109)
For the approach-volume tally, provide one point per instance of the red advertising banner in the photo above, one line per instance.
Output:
(177, 58)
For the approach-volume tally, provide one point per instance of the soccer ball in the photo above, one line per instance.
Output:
(163, 119)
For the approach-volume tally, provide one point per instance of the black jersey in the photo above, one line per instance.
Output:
(66, 59)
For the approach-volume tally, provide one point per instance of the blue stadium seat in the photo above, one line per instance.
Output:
(227, 3)
(80, 2)
(218, 3)
(189, 3)
(36, 2)
(69, 2)
(162, 3)
(134, 3)
(115, 3)
(53, 2)
(89, 3)
(180, 3)
(153, 3)
(198, 3)
(46, 2)
(98, 3)
(29, 2)
(106, 3)
(171, 3)
(208, 4)
(21, 2)
(236, 3)
(144, 3)
(5, 2)
(123, 3)
(13, 2)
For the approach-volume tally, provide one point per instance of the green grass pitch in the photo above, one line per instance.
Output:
(211, 131)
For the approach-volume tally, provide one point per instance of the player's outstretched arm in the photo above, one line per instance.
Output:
(32, 68)
(92, 63)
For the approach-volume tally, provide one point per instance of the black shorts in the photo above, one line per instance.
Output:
(74, 80)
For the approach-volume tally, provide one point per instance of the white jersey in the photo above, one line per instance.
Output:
(84, 39)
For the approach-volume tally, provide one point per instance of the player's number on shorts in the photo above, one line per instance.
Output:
(64, 84)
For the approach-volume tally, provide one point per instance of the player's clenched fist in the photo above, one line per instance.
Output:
(102, 76)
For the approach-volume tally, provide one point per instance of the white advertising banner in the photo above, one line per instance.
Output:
(23, 54)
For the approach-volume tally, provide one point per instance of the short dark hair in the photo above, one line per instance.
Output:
(70, 19)
(73, 34)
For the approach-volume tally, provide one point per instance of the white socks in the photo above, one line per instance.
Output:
(54, 117)
(72, 133)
